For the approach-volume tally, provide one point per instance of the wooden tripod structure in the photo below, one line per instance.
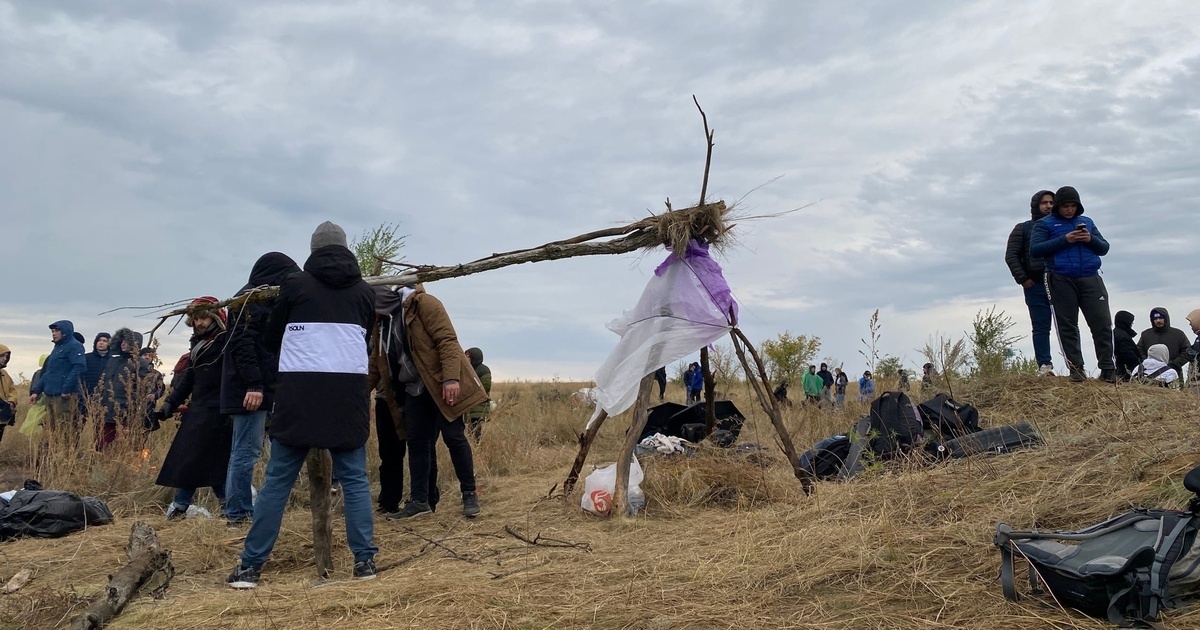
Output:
(673, 229)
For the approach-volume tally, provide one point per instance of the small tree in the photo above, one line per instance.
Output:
(724, 365)
(991, 343)
(378, 245)
(889, 367)
(948, 356)
(788, 356)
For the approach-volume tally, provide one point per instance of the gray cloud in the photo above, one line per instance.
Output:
(154, 150)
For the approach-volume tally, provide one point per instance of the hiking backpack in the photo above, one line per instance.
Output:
(890, 427)
(1126, 569)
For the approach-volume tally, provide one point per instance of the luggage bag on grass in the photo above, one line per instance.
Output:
(993, 441)
(949, 418)
(1126, 569)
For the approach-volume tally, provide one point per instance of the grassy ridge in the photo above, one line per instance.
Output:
(723, 542)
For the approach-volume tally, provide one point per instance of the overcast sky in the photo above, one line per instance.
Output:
(150, 151)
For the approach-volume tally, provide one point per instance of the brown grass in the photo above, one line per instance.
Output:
(724, 542)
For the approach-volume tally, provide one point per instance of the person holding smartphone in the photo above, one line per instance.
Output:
(1071, 246)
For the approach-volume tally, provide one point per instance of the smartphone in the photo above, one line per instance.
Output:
(1081, 226)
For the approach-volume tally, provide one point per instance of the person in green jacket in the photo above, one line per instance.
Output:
(813, 384)
(478, 414)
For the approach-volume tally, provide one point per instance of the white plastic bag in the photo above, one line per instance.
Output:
(599, 486)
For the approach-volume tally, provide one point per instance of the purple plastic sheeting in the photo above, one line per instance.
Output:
(686, 306)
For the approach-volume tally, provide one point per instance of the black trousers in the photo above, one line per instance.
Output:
(424, 422)
(1069, 297)
(391, 462)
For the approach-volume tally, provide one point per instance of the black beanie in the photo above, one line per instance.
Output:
(1067, 194)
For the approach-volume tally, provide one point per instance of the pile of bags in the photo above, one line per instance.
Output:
(34, 511)
(940, 427)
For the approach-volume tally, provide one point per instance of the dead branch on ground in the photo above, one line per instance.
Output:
(149, 566)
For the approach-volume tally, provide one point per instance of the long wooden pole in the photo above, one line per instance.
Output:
(320, 480)
(641, 414)
(762, 388)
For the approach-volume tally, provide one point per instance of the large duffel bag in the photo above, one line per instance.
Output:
(993, 441)
(826, 458)
(949, 418)
(50, 514)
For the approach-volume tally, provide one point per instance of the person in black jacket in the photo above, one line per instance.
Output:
(1029, 272)
(126, 379)
(199, 454)
(248, 382)
(319, 328)
(1129, 357)
(96, 360)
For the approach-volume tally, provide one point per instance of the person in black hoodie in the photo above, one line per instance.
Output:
(96, 360)
(1029, 272)
(199, 454)
(1161, 331)
(319, 327)
(1129, 357)
(248, 382)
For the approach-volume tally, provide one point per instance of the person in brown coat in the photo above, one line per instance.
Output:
(436, 386)
(389, 416)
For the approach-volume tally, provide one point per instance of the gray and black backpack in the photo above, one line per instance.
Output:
(1126, 569)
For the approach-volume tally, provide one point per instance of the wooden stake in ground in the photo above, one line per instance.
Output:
(320, 480)
(585, 444)
(710, 395)
(149, 565)
(640, 415)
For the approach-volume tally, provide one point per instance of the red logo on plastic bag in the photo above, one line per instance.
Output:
(601, 501)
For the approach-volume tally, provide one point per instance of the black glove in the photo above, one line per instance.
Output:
(159, 415)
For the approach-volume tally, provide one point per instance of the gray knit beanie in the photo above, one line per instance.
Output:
(327, 234)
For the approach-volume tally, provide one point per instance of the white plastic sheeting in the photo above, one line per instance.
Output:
(686, 306)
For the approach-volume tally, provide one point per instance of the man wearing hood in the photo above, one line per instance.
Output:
(248, 375)
(61, 379)
(96, 360)
(124, 369)
(1161, 331)
(479, 413)
(1071, 247)
(1029, 272)
(1129, 357)
(8, 392)
(318, 328)
(437, 386)
(1193, 351)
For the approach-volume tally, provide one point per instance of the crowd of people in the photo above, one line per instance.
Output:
(1055, 256)
(297, 371)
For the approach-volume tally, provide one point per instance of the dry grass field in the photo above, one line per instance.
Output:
(723, 542)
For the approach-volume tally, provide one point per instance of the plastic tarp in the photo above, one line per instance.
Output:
(686, 306)
(50, 514)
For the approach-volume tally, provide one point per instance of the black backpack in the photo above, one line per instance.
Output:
(890, 428)
(1126, 569)
(947, 417)
(826, 458)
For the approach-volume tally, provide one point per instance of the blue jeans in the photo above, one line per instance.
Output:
(184, 496)
(247, 448)
(349, 467)
(1039, 313)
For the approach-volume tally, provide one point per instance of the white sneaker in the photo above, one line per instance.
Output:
(1046, 370)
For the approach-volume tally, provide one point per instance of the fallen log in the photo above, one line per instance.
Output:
(149, 565)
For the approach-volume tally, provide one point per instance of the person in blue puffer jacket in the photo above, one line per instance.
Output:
(1071, 246)
(62, 379)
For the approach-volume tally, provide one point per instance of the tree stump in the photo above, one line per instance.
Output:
(149, 564)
